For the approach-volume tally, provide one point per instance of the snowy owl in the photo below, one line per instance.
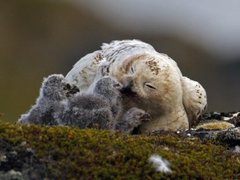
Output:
(151, 81)
(60, 103)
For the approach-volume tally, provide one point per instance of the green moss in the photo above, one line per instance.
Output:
(74, 153)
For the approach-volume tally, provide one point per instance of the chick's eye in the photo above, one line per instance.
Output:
(67, 87)
(150, 86)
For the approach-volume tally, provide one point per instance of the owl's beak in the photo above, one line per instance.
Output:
(127, 88)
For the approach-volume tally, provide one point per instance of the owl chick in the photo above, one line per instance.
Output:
(151, 81)
(54, 89)
(98, 109)
(60, 104)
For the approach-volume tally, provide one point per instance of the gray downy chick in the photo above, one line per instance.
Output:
(53, 90)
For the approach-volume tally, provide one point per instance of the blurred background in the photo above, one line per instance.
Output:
(41, 37)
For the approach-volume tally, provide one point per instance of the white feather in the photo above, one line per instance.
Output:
(161, 164)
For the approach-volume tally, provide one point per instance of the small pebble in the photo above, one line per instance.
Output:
(29, 150)
(13, 172)
(216, 115)
(14, 153)
(3, 158)
(23, 143)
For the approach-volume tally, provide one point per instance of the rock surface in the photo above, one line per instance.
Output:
(221, 127)
(216, 127)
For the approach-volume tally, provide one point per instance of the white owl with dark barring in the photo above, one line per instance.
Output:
(151, 81)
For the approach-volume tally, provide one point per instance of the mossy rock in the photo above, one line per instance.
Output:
(72, 153)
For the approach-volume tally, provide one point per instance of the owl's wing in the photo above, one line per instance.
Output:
(85, 70)
(194, 99)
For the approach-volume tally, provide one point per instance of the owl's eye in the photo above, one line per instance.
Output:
(132, 70)
(149, 86)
